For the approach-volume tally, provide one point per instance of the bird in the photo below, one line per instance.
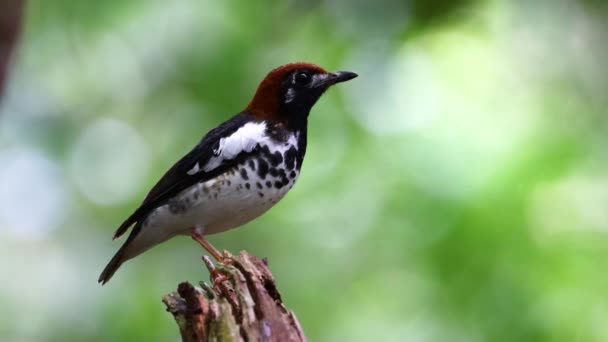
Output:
(236, 172)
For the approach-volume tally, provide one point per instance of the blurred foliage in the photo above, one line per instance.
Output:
(455, 191)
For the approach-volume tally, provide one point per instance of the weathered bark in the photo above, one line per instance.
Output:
(242, 304)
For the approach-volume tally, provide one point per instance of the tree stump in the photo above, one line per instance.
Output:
(241, 304)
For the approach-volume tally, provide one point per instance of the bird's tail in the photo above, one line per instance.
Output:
(112, 266)
(120, 257)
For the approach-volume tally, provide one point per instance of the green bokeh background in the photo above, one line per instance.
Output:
(456, 191)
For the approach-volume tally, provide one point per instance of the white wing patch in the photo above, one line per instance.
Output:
(194, 170)
(245, 139)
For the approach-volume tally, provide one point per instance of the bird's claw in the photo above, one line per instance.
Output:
(226, 258)
(218, 277)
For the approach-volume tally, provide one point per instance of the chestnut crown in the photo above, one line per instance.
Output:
(288, 92)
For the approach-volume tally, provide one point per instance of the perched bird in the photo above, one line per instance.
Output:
(239, 169)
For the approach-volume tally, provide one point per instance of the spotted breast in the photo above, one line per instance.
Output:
(238, 195)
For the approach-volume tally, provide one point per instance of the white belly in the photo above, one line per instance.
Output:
(227, 201)
(223, 206)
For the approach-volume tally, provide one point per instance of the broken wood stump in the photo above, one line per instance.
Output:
(242, 303)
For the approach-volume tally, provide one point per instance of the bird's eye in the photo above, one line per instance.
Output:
(302, 78)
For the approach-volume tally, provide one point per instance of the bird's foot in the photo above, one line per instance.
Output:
(219, 279)
(222, 258)
(221, 284)
(226, 258)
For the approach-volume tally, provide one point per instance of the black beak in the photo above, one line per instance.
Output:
(324, 81)
(341, 76)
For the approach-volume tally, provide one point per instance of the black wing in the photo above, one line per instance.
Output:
(177, 178)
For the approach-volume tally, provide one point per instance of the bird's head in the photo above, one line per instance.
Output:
(288, 92)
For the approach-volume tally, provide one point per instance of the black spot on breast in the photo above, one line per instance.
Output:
(275, 158)
(228, 182)
(261, 194)
(278, 184)
(274, 172)
(179, 206)
(244, 174)
(290, 157)
(251, 164)
(247, 186)
(268, 184)
(215, 195)
(259, 185)
(262, 168)
(292, 174)
(282, 173)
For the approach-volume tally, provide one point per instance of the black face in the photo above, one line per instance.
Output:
(303, 87)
